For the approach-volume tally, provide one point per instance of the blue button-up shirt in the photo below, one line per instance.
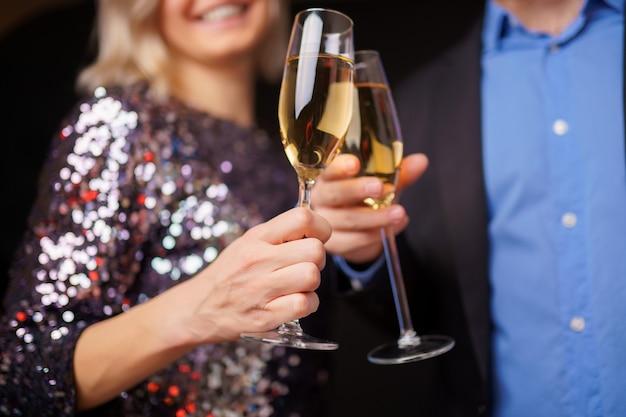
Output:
(554, 163)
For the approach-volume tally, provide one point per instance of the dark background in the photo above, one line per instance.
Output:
(44, 43)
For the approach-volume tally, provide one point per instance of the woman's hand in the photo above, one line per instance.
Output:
(266, 277)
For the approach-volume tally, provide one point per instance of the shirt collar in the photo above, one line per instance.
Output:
(498, 20)
(616, 4)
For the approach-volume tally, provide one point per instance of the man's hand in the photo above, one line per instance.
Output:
(338, 196)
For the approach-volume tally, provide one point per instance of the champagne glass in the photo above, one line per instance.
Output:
(314, 112)
(375, 137)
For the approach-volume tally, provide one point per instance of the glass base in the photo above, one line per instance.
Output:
(423, 347)
(289, 339)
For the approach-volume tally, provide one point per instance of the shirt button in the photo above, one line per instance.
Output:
(569, 220)
(560, 127)
(577, 324)
(554, 48)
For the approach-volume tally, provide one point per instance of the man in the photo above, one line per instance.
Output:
(518, 226)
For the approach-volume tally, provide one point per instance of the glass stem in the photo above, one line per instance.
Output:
(304, 195)
(291, 327)
(304, 200)
(408, 336)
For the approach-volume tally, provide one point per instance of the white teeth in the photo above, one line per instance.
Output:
(222, 12)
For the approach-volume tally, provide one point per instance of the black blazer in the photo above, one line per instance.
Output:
(445, 247)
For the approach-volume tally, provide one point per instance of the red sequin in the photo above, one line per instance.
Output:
(174, 391)
(89, 195)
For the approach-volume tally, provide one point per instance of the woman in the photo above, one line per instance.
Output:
(136, 264)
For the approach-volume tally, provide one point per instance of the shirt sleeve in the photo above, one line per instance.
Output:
(358, 278)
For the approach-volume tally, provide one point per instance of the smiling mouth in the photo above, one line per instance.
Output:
(223, 12)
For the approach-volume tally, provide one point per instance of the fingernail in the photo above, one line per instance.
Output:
(373, 188)
(352, 165)
(396, 214)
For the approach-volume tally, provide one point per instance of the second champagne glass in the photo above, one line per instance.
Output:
(314, 112)
(375, 137)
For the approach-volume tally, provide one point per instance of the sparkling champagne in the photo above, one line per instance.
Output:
(374, 137)
(314, 110)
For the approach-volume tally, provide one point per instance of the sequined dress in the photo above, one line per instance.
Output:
(135, 197)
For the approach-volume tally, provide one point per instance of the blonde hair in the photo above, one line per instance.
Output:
(131, 49)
